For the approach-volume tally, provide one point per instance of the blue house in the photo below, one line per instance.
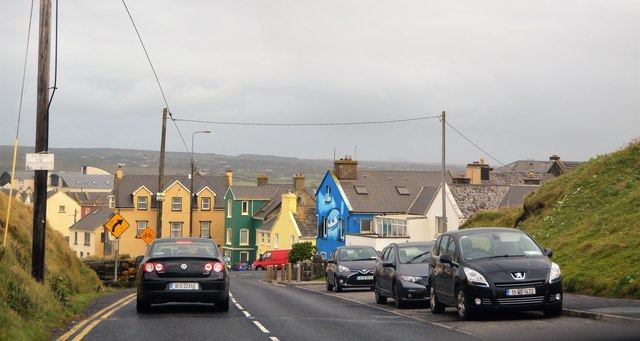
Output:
(348, 202)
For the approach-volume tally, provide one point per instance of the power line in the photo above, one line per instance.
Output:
(475, 145)
(309, 124)
(155, 74)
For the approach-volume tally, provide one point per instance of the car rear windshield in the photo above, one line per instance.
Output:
(499, 244)
(357, 254)
(183, 249)
(415, 254)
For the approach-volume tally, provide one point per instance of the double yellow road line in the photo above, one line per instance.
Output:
(79, 331)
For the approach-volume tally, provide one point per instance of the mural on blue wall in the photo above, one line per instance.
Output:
(333, 228)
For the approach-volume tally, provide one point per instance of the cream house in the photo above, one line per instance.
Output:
(62, 212)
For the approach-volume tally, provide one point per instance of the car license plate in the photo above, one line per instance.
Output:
(184, 286)
(364, 278)
(521, 291)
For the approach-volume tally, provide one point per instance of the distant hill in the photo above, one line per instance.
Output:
(30, 310)
(590, 218)
(246, 167)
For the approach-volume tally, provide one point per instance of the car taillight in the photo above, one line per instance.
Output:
(151, 267)
(215, 266)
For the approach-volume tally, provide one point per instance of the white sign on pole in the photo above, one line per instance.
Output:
(39, 161)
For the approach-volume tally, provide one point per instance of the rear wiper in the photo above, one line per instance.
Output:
(502, 256)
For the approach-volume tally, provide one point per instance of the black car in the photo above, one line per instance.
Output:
(489, 269)
(350, 267)
(402, 272)
(182, 270)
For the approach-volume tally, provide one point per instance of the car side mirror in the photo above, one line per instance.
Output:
(226, 259)
(446, 259)
(331, 261)
(139, 260)
(548, 252)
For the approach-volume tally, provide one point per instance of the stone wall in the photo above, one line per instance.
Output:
(105, 270)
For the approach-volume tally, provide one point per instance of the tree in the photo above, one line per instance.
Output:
(302, 251)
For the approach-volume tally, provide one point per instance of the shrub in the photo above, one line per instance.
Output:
(302, 251)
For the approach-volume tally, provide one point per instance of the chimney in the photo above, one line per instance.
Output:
(84, 170)
(298, 182)
(554, 157)
(478, 171)
(346, 169)
(262, 179)
(119, 173)
(289, 202)
(229, 177)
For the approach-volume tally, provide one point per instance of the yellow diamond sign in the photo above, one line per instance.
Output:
(148, 235)
(117, 225)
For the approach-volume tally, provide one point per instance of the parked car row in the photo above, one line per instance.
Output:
(475, 270)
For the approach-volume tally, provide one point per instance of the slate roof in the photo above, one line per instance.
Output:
(130, 183)
(516, 194)
(95, 219)
(268, 225)
(384, 188)
(264, 192)
(525, 166)
(90, 198)
(473, 198)
(307, 221)
(423, 200)
(85, 181)
(274, 203)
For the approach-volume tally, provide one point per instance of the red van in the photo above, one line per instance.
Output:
(271, 257)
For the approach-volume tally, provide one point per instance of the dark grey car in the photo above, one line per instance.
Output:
(350, 267)
(402, 272)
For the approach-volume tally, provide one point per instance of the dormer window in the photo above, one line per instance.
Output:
(142, 203)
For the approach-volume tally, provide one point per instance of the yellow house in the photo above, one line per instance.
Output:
(135, 200)
(62, 212)
(88, 234)
(293, 224)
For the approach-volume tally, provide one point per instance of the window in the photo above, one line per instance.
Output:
(275, 242)
(61, 209)
(268, 239)
(323, 228)
(341, 227)
(140, 226)
(244, 237)
(206, 204)
(366, 226)
(81, 254)
(75, 238)
(327, 194)
(361, 189)
(176, 204)
(440, 224)
(262, 238)
(87, 239)
(229, 207)
(244, 256)
(293, 240)
(391, 227)
(229, 237)
(142, 203)
(87, 211)
(245, 208)
(112, 201)
(176, 229)
(205, 229)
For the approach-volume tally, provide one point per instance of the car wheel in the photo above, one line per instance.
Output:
(329, 285)
(380, 299)
(435, 305)
(221, 305)
(259, 268)
(337, 287)
(142, 306)
(552, 312)
(397, 300)
(461, 304)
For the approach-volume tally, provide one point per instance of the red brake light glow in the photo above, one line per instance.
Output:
(183, 242)
(218, 267)
(215, 266)
(151, 267)
(208, 267)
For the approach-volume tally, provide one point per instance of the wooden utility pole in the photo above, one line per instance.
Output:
(159, 194)
(42, 142)
(444, 181)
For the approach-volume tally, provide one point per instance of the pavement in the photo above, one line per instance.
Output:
(598, 308)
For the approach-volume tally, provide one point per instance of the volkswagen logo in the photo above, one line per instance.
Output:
(518, 275)
(183, 267)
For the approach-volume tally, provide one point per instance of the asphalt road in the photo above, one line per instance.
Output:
(263, 311)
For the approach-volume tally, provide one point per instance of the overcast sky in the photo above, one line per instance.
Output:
(521, 79)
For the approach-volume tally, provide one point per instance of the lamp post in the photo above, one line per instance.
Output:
(193, 166)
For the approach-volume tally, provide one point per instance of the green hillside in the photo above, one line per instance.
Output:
(30, 310)
(590, 218)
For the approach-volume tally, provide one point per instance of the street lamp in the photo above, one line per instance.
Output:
(193, 166)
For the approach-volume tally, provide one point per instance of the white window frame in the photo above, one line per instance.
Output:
(245, 207)
(176, 204)
(229, 208)
(244, 234)
(140, 226)
(370, 223)
(87, 239)
(143, 203)
(293, 240)
(229, 237)
(175, 227)
(205, 204)
(112, 201)
(275, 241)
(391, 227)
(244, 256)
(205, 226)
(327, 194)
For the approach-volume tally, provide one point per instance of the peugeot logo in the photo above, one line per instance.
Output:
(518, 275)
(183, 267)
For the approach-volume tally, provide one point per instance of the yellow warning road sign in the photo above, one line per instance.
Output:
(148, 235)
(116, 225)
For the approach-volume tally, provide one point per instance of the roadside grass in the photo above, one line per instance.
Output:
(502, 217)
(590, 218)
(30, 310)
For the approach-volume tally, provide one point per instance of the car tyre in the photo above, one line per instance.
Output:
(435, 305)
(142, 306)
(461, 304)
(380, 299)
(221, 305)
(552, 312)
(397, 300)
(259, 268)
(329, 285)
(337, 287)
